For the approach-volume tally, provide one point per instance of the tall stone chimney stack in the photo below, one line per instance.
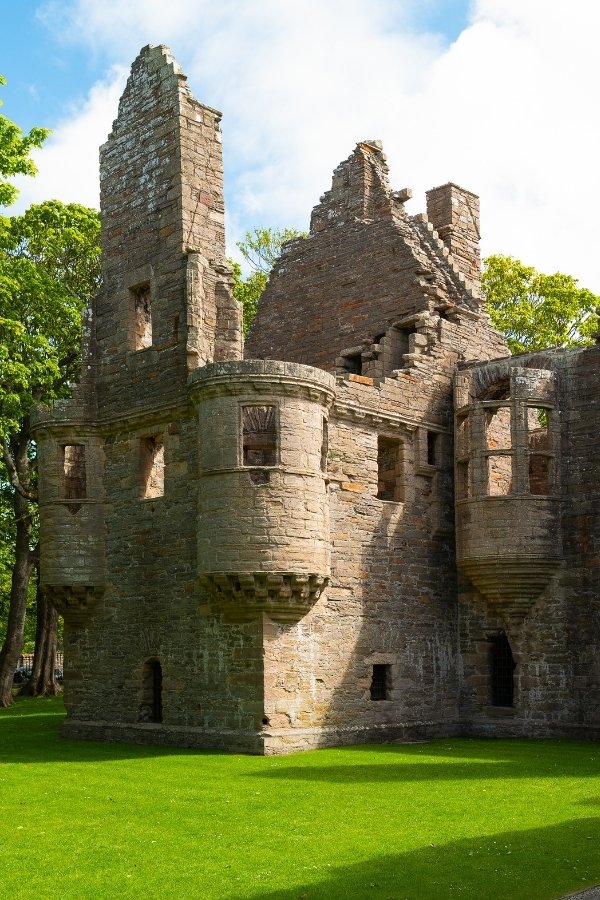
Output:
(454, 213)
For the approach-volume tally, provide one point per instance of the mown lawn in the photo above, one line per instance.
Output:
(452, 818)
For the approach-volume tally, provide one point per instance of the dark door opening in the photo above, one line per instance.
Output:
(152, 710)
(502, 666)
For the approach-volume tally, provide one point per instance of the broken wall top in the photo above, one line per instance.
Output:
(367, 266)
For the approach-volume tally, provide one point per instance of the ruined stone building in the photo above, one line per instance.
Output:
(372, 523)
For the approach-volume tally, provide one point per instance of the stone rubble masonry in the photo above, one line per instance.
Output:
(265, 589)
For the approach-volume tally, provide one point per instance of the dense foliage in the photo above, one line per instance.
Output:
(535, 311)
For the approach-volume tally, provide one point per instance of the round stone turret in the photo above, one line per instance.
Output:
(507, 497)
(263, 515)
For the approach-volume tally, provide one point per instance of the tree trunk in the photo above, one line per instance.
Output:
(24, 561)
(42, 682)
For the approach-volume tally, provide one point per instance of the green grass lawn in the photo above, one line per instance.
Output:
(451, 818)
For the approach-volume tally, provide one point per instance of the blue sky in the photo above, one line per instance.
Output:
(496, 95)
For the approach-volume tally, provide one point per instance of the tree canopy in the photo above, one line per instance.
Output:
(49, 270)
(260, 248)
(15, 150)
(535, 311)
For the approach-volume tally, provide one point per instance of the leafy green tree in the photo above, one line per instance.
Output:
(49, 270)
(260, 248)
(536, 311)
(15, 149)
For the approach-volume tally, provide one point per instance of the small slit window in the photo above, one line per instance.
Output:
(432, 445)
(74, 472)
(380, 682)
(324, 445)
(463, 490)
(259, 436)
(389, 483)
(153, 466)
(142, 316)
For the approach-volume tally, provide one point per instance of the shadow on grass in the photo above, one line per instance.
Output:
(463, 758)
(540, 864)
(30, 733)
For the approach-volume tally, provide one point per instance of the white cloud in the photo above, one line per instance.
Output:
(507, 110)
(68, 162)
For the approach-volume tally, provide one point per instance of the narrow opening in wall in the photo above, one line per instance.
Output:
(153, 466)
(502, 667)
(539, 474)
(462, 480)
(462, 435)
(74, 471)
(497, 428)
(389, 472)
(152, 709)
(259, 436)
(432, 445)
(353, 364)
(499, 475)
(324, 445)
(380, 682)
(401, 346)
(142, 315)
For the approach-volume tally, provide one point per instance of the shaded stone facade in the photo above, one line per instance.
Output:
(372, 524)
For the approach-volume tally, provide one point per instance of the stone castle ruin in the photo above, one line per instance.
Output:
(369, 524)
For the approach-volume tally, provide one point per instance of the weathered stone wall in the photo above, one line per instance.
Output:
(527, 554)
(257, 555)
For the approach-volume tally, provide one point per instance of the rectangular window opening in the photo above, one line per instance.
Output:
(462, 480)
(497, 428)
(538, 420)
(74, 472)
(499, 475)
(502, 667)
(389, 470)
(539, 473)
(380, 682)
(259, 436)
(432, 443)
(142, 316)
(153, 466)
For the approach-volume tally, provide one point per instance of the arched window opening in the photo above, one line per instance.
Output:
(152, 710)
(502, 667)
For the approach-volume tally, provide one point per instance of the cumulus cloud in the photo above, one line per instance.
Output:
(68, 162)
(506, 109)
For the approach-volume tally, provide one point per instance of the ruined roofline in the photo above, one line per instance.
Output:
(164, 58)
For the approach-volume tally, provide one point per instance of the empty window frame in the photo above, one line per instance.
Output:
(142, 315)
(151, 706)
(153, 466)
(74, 475)
(499, 475)
(463, 486)
(432, 448)
(497, 428)
(538, 445)
(389, 469)
(380, 682)
(502, 667)
(259, 435)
